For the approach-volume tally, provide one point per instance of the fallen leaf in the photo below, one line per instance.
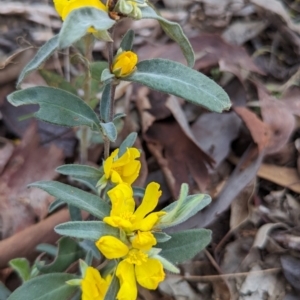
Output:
(21, 206)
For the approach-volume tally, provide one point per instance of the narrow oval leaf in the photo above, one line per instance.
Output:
(105, 103)
(45, 287)
(44, 52)
(184, 245)
(74, 196)
(4, 291)
(91, 230)
(68, 252)
(55, 205)
(161, 237)
(79, 21)
(110, 130)
(127, 143)
(56, 106)
(176, 79)
(80, 171)
(174, 31)
(127, 41)
(112, 289)
(188, 208)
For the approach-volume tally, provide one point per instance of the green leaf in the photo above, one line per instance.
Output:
(74, 196)
(96, 69)
(127, 41)
(109, 130)
(68, 252)
(176, 79)
(79, 21)
(138, 191)
(184, 245)
(174, 31)
(45, 287)
(4, 291)
(127, 143)
(47, 248)
(106, 76)
(55, 205)
(86, 174)
(57, 81)
(113, 289)
(184, 208)
(161, 237)
(44, 52)
(105, 103)
(91, 230)
(56, 106)
(75, 213)
(89, 246)
(80, 171)
(22, 267)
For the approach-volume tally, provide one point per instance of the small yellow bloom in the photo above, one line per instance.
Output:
(123, 169)
(112, 247)
(123, 214)
(64, 7)
(124, 63)
(136, 266)
(93, 286)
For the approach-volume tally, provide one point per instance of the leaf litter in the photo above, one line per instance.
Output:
(248, 159)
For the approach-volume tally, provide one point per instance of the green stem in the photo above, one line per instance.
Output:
(84, 138)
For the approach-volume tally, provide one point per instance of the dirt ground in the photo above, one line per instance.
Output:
(247, 159)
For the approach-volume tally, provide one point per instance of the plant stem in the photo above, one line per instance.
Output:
(110, 48)
(84, 139)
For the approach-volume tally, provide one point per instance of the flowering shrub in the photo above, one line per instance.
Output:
(130, 237)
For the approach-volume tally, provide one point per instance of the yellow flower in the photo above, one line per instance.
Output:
(140, 221)
(64, 7)
(124, 63)
(136, 266)
(93, 286)
(123, 169)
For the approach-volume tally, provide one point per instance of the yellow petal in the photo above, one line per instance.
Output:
(149, 202)
(75, 4)
(107, 165)
(149, 222)
(117, 222)
(128, 288)
(121, 197)
(130, 155)
(111, 247)
(143, 240)
(93, 286)
(150, 273)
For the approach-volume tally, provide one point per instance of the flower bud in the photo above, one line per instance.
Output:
(124, 64)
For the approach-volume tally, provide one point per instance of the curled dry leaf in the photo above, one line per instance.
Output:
(279, 119)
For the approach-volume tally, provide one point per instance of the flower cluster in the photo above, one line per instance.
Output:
(138, 261)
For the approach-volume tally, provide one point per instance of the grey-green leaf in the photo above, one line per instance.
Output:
(174, 31)
(56, 106)
(110, 130)
(105, 103)
(112, 289)
(55, 205)
(80, 171)
(4, 291)
(91, 230)
(176, 79)
(127, 143)
(184, 245)
(188, 208)
(68, 252)
(79, 21)
(127, 41)
(45, 287)
(22, 267)
(74, 196)
(44, 52)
